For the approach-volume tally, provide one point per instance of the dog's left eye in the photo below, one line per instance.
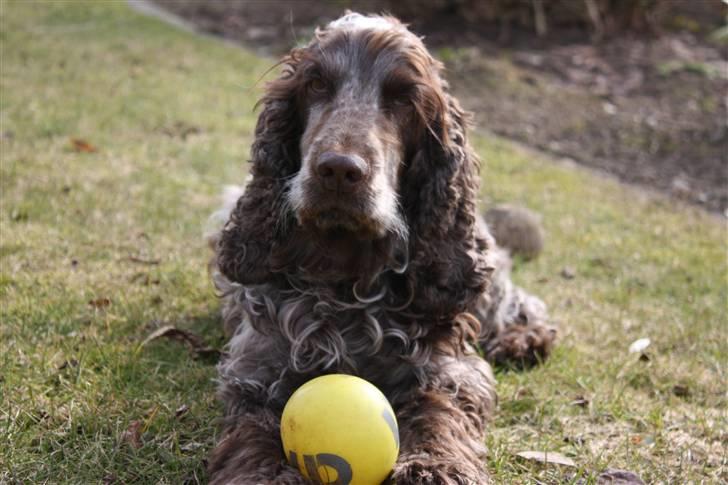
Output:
(318, 86)
(400, 101)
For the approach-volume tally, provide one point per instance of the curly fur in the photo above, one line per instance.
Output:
(402, 305)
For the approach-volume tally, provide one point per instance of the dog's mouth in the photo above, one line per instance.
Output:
(338, 223)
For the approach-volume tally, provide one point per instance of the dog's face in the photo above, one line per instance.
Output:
(364, 87)
(360, 165)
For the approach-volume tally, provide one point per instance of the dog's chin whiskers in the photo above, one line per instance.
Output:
(294, 192)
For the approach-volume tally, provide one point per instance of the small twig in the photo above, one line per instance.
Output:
(194, 343)
(135, 259)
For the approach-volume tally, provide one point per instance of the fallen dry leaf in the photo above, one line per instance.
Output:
(546, 457)
(642, 440)
(82, 146)
(132, 435)
(195, 343)
(100, 302)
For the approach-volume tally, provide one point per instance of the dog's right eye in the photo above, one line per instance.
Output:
(398, 95)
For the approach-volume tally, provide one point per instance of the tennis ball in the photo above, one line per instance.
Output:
(340, 429)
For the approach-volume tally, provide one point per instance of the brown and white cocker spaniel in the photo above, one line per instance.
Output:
(356, 248)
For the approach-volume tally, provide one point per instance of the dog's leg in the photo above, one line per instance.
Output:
(442, 427)
(520, 344)
(250, 453)
(515, 329)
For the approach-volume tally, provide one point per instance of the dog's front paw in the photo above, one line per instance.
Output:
(424, 471)
(521, 345)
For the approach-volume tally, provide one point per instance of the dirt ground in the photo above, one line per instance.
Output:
(650, 109)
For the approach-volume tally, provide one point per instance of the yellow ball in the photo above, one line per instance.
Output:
(340, 429)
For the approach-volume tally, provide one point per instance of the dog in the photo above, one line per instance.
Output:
(356, 247)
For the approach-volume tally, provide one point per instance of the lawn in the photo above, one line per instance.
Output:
(116, 135)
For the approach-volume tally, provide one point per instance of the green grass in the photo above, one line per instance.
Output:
(73, 376)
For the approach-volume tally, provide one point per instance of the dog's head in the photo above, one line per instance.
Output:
(360, 166)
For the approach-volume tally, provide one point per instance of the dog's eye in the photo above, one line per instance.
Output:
(318, 86)
(398, 103)
(401, 101)
(398, 95)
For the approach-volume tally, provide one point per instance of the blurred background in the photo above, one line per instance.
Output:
(633, 87)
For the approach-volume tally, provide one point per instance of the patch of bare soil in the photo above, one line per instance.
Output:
(650, 109)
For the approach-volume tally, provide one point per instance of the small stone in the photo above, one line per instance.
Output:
(681, 187)
(614, 476)
(609, 108)
(639, 345)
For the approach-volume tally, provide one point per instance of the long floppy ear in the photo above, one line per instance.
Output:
(260, 219)
(448, 267)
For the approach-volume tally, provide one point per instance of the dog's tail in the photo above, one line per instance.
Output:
(213, 230)
(516, 229)
(217, 220)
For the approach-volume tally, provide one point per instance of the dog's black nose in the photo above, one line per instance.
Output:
(341, 172)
